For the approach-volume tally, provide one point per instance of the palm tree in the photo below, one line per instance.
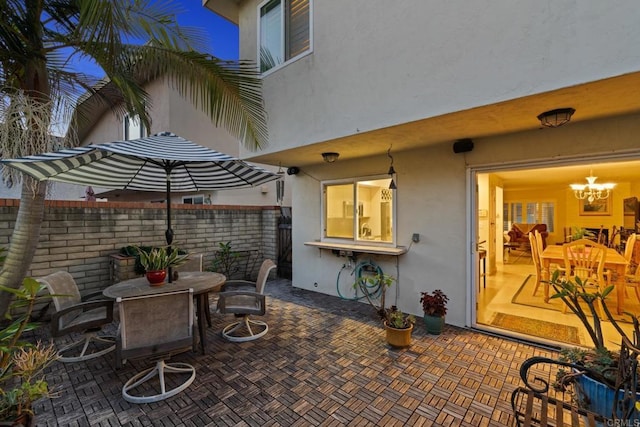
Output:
(133, 42)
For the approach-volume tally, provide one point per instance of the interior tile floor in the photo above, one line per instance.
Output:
(500, 289)
(324, 362)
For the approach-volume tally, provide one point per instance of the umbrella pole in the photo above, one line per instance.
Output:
(169, 233)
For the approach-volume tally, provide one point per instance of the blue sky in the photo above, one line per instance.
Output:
(222, 33)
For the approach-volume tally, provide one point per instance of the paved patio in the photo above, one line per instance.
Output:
(324, 362)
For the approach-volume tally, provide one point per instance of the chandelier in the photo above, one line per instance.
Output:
(592, 191)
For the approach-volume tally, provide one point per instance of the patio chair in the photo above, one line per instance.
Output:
(244, 303)
(194, 263)
(156, 326)
(76, 314)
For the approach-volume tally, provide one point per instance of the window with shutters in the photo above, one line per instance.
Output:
(532, 212)
(284, 32)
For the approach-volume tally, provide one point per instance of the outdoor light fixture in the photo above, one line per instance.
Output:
(392, 172)
(556, 118)
(280, 186)
(330, 157)
(592, 191)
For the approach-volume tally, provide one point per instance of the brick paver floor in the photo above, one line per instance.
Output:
(324, 362)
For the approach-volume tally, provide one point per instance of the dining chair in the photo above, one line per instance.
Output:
(535, 256)
(628, 254)
(632, 272)
(585, 259)
(74, 313)
(540, 245)
(155, 327)
(250, 300)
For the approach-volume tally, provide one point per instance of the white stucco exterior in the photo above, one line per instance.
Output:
(417, 75)
(171, 112)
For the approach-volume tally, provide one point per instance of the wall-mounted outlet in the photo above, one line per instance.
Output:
(415, 238)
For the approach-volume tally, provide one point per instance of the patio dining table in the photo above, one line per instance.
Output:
(202, 282)
(613, 261)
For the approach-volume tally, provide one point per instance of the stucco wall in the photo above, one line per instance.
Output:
(375, 65)
(78, 237)
(432, 201)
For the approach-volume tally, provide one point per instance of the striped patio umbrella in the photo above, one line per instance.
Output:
(163, 162)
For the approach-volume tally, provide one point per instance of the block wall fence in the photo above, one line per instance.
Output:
(81, 237)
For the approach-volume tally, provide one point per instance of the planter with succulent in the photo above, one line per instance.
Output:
(594, 370)
(398, 325)
(434, 306)
(156, 261)
(22, 364)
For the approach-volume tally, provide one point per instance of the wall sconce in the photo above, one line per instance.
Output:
(556, 118)
(330, 157)
(280, 186)
(392, 172)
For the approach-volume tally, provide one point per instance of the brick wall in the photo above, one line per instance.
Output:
(79, 236)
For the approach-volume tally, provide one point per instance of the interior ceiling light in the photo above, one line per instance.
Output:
(592, 191)
(330, 157)
(556, 118)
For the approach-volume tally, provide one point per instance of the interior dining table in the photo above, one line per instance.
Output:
(613, 262)
(202, 282)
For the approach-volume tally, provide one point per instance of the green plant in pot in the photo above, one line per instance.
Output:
(582, 233)
(156, 261)
(22, 364)
(434, 306)
(398, 325)
(598, 366)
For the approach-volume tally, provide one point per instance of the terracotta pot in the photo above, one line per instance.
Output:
(156, 278)
(434, 324)
(398, 337)
(22, 420)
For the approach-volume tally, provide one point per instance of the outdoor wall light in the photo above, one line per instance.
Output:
(330, 157)
(556, 118)
(392, 172)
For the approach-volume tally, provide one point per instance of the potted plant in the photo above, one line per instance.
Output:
(22, 364)
(594, 369)
(156, 261)
(398, 325)
(582, 233)
(434, 306)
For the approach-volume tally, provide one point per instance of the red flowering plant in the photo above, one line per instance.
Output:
(434, 304)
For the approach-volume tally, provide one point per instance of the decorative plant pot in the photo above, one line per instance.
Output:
(434, 324)
(398, 337)
(23, 419)
(156, 278)
(600, 398)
